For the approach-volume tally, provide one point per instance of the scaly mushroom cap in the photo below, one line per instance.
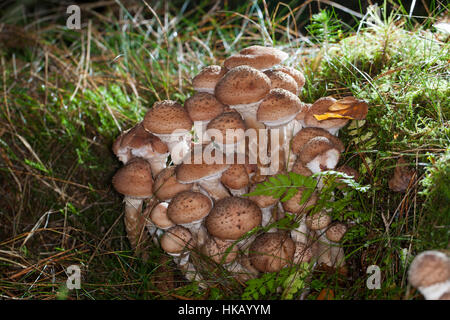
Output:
(134, 179)
(165, 117)
(294, 73)
(159, 216)
(231, 122)
(270, 252)
(318, 220)
(262, 201)
(278, 105)
(316, 146)
(302, 114)
(293, 204)
(196, 167)
(176, 239)
(279, 79)
(242, 85)
(203, 106)
(258, 57)
(208, 77)
(166, 184)
(306, 134)
(429, 268)
(235, 177)
(303, 253)
(232, 217)
(216, 249)
(321, 106)
(136, 138)
(188, 206)
(299, 168)
(336, 232)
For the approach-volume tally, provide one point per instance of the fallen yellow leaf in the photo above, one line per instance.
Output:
(348, 108)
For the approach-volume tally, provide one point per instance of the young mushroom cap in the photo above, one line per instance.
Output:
(293, 204)
(176, 239)
(207, 79)
(159, 216)
(134, 179)
(300, 168)
(336, 232)
(429, 268)
(203, 106)
(167, 116)
(278, 107)
(216, 249)
(231, 127)
(319, 107)
(235, 177)
(232, 217)
(270, 252)
(258, 57)
(294, 73)
(195, 172)
(306, 134)
(321, 149)
(318, 220)
(279, 79)
(242, 85)
(166, 185)
(303, 253)
(188, 206)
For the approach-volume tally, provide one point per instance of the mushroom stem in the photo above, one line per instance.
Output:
(301, 233)
(248, 113)
(178, 144)
(214, 188)
(158, 163)
(238, 192)
(434, 292)
(329, 252)
(135, 225)
(267, 217)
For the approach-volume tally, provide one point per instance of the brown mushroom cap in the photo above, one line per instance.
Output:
(258, 57)
(318, 220)
(279, 79)
(235, 177)
(277, 105)
(176, 239)
(445, 296)
(263, 201)
(270, 252)
(299, 168)
(230, 125)
(159, 216)
(137, 137)
(191, 171)
(216, 249)
(232, 217)
(242, 85)
(165, 117)
(429, 268)
(166, 184)
(321, 106)
(294, 73)
(303, 253)
(208, 78)
(134, 179)
(306, 134)
(203, 106)
(336, 232)
(303, 112)
(188, 206)
(293, 205)
(315, 147)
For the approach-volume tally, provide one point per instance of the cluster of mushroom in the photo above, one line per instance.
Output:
(200, 206)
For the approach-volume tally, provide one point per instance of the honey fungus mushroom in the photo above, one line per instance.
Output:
(243, 88)
(137, 142)
(258, 57)
(220, 251)
(177, 241)
(135, 182)
(207, 79)
(170, 122)
(271, 252)
(319, 107)
(166, 185)
(227, 131)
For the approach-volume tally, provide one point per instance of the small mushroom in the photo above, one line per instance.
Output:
(137, 142)
(271, 252)
(318, 221)
(319, 154)
(258, 57)
(282, 80)
(216, 249)
(170, 122)
(159, 216)
(135, 182)
(330, 253)
(236, 179)
(322, 106)
(430, 273)
(294, 73)
(166, 185)
(227, 132)
(402, 177)
(243, 88)
(303, 253)
(176, 241)
(336, 232)
(207, 79)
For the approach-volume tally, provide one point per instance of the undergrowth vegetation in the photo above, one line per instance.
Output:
(67, 94)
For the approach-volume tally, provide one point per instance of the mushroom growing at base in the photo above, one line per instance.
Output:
(135, 182)
(170, 122)
(177, 241)
(137, 142)
(430, 273)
